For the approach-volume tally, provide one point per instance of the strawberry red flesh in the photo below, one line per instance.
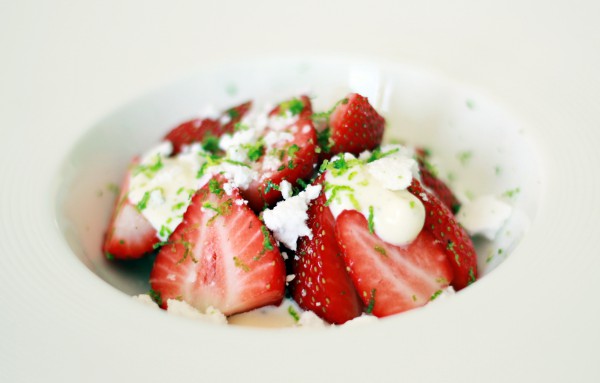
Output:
(391, 279)
(221, 255)
(321, 282)
(441, 224)
(354, 126)
(298, 158)
(434, 184)
(129, 234)
(198, 129)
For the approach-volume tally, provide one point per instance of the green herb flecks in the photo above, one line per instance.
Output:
(380, 250)
(267, 245)
(324, 140)
(109, 256)
(149, 170)
(255, 151)
(215, 187)
(370, 220)
(294, 106)
(471, 276)
(377, 154)
(511, 193)
(271, 186)
(450, 247)
(371, 304)
(293, 313)
(240, 264)
(143, 202)
(210, 143)
(292, 150)
(464, 157)
(326, 115)
(435, 295)
(156, 297)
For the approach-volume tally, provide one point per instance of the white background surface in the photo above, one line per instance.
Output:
(63, 65)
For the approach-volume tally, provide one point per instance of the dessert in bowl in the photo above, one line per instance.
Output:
(304, 196)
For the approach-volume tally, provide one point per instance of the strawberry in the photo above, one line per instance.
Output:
(441, 224)
(354, 126)
(434, 184)
(198, 130)
(221, 255)
(235, 115)
(129, 234)
(297, 157)
(322, 283)
(391, 279)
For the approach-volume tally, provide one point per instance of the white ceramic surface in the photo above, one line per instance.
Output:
(66, 65)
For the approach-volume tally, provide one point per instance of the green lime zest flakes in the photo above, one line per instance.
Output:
(143, 202)
(435, 295)
(113, 188)
(464, 157)
(371, 304)
(240, 264)
(370, 220)
(326, 115)
(267, 245)
(302, 184)
(450, 248)
(156, 297)
(335, 189)
(354, 201)
(209, 206)
(271, 186)
(324, 140)
(414, 298)
(233, 113)
(512, 192)
(187, 246)
(431, 168)
(180, 190)
(380, 250)
(215, 187)
(292, 150)
(352, 175)
(178, 206)
(231, 89)
(149, 170)
(293, 313)
(238, 163)
(412, 204)
(294, 106)
(377, 154)
(210, 143)
(471, 276)
(164, 231)
(470, 104)
(291, 164)
(324, 166)
(160, 244)
(255, 151)
(109, 256)
(238, 126)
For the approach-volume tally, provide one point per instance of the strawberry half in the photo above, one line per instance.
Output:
(441, 224)
(198, 129)
(434, 184)
(354, 126)
(297, 158)
(391, 279)
(322, 283)
(129, 234)
(221, 255)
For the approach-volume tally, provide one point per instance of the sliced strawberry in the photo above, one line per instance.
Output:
(221, 255)
(441, 224)
(129, 234)
(322, 284)
(192, 131)
(234, 115)
(354, 126)
(297, 157)
(391, 279)
(197, 130)
(434, 184)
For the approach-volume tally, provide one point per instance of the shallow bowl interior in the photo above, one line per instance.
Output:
(479, 147)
